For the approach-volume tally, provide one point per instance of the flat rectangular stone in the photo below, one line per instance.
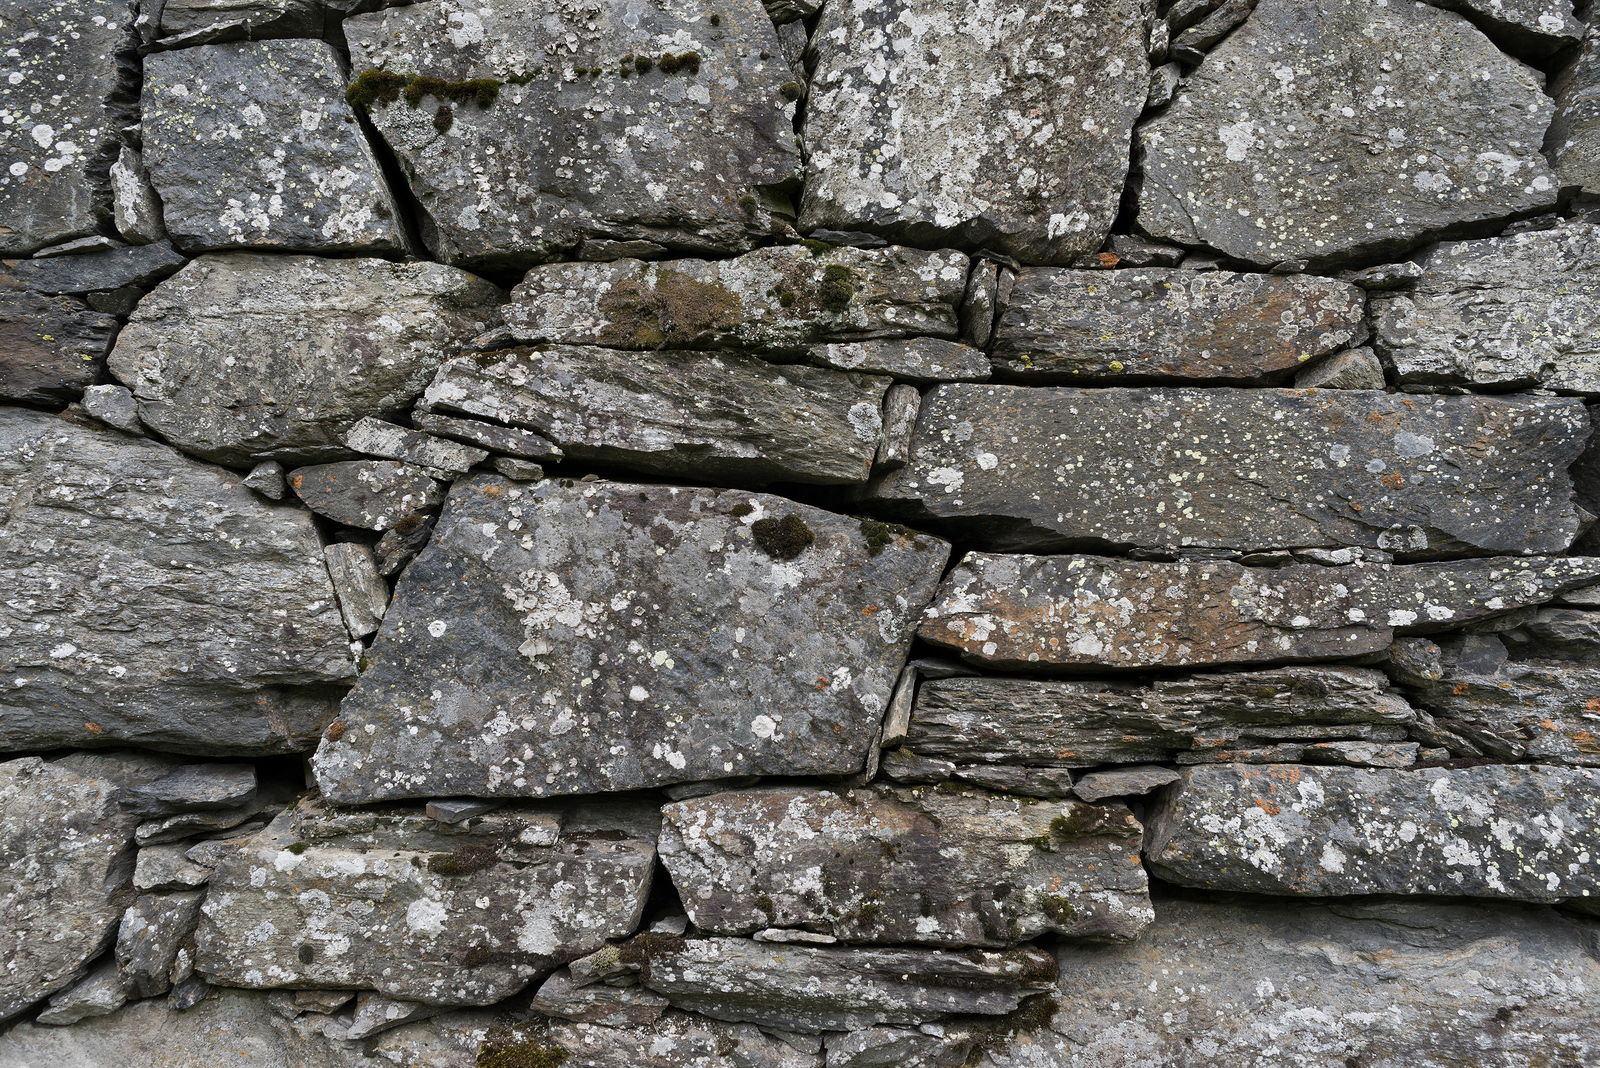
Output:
(920, 360)
(512, 441)
(374, 437)
(363, 595)
(1036, 468)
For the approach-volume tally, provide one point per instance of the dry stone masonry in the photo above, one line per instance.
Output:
(801, 534)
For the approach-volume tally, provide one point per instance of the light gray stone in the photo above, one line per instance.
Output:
(374, 437)
(149, 937)
(517, 470)
(1573, 139)
(1443, 131)
(193, 788)
(597, 1003)
(922, 360)
(102, 993)
(371, 494)
(51, 347)
(168, 867)
(376, 1013)
(901, 405)
(114, 406)
(1123, 782)
(512, 441)
(1531, 28)
(135, 207)
(898, 144)
(363, 595)
(166, 605)
(677, 1040)
(1351, 369)
(80, 246)
(244, 357)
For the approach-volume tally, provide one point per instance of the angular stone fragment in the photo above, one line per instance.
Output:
(512, 441)
(1123, 782)
(1443, 130)
(585, 125)
(1085, 326)
(68, 78)
(807, 989)
(1533, 28)
(1032, 165)
(706, 415)
(167, 867)
(597, 1003)
(137, 265)
(208, 21)
(103, 992)
(689, 599)
(376, 1013)
(901, 406)
(374, 437)
(389, 900)
(898, 864)
(516, 470)
(1350, 369)
(401, 543)
(1501, 830)
(189, 824)
(1355, 754)
(363, 595)
(1044, 613)
(776, 301)
(136, 209)
(244, 357)
(267, 479)
(371, 494)
(193, 788)
(147, 941)
(921, 360)
(677, 1040)
(155, 600)
(1506, 312)
(1034, 468)
(1026, 782)
(80, 246)
(114, 406)
(51, 347)
(1573, 139)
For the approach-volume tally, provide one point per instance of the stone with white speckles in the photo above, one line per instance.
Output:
(1033, 468)
(191, 22)
(677, 1040)
(584, 637)
(243, 357)
(371, 494)
(375, 437)
(1531, 28)
(251, 145)
(1504, 313)
(906, 865)
(1501, 830)
(1344, 130)
(149, 937)
(1574, 135)
(584, 141)
(999, 125)
(922, 360)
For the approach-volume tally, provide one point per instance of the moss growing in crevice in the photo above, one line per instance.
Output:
(503, 1050)
(879, 536)
(782, 539)
(444, 118)
(379, 88)
(837, 288)
(464, 861)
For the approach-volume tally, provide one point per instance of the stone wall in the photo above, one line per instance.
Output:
(844, 534)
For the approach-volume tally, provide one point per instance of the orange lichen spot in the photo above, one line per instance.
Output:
(1268, 807)
(1393, 480)
(1459, 688)
(335, 730)
(93, 728)
(493, 491)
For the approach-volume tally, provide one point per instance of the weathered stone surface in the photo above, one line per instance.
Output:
(229, 822)
(388, 899)
(513, 441)
(1155, 324)
(167, 867)
(51, 347)
(136, 265)
(524, 590)
(371, 494)
(808, 989)
(292, 173)
(901, 406)
(899, 864)
(1123, 782)
(516, 470)
(266, 478)
(604, 151)
(1532, 28)
(1042, 613)
(1351, 369)
(1033, 468)
(208, 21)
(244, 357)
(363, 595)
(374, 437)
(148, 938)
(66, 848)
(777, 301)
(1354, 754)
(900, 141)
(114, 406)
(135, 207)
(677, 1040)
(1573, 139)
(376, 1013)
(614, 1006)
(193, 788)
(155, 600)
(1028, 782)
(922, 360)
(706, 415)
(103, 992)
(401, 543)
(66, 85)
(1258, 158)
(1505, 312)
(1500, 830)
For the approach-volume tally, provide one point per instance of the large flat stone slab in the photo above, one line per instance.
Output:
(243, 357)
(897, 864)
(1034, 468)
(1298, 139)
(1005, 126)
(154, 600)
(590, 126)
(1500, 830)
(1074, 613)
(705, 415)
(582, 637)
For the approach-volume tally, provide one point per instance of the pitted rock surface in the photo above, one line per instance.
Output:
(582, 140)
(998, 125)
(51, 348)
(1342, 130)
(896, 864)
(1033, 468)
(1500, 831)
(243, 357)
(571, 638)
(152, 599)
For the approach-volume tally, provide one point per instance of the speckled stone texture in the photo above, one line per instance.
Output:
(1573, 139)
(584, 142)
(996, 124)
(572, 638)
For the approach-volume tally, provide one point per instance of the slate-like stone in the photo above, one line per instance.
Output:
(1170, 324)
(1573, 139)
(167, 867)
(591, 135)
(777, 301)
(1357, 368)
(677, 1040)
(114, 406)
(807, 989)
(1072, 613)
(1499, 830)
(512, 441)
(134, 266)
(244, 357)
(1504, 313)
(1258, 158)
(66, 81)
(387, 441)
(208, 21)
(1532, 28)
(1123, 782)
(148, 939)
(371, 494)
(103, 992)
(1011, 779)
(707, 415)
(906, 865)
(1034, 468)
(900, 142)
(292, 170)
(155, 600)
(388, 900)
(922, 360)
(614, 1006)
(51, 347)
(193, 788)
(787, 664)
(363, 595)
(135, 207)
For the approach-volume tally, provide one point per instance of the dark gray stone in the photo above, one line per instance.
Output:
(137, 266)
(114, 406)
(401, 543)
(1531, 28)
(135, 207)
(612, 1006)
(51, 347)
(787, 663)
(1573, 139)
(189, 22)
(193, 788)
(372, 494)
(1123, 782)
(921, 360)
(1033, 468)
(1350, 369)
(149, 936)
(512, 441)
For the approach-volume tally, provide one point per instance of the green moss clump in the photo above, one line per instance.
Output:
(638, 949)
(524, 77)
(782, 539)
(1084, 819)
(748, 204)
(444, 118)
(815, 247)
(643, 63)
(786, 299)
(298, 848)
(374, 87)
(716, 20)
(1058, 908)
(791, 90)
(837, 288)
(742, 509)
(463, 861)
(879, 536)
(531, 1054)
(476, 956)
(668, 63)
(689, 62)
